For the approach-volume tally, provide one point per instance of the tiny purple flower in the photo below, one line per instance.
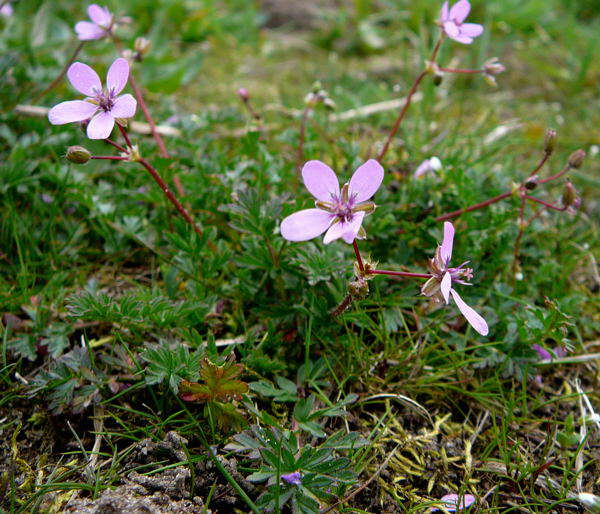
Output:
(452, 22)
(439, 287)
(427, 166)
(101, 25)
(544, 355)
(339, 212)
(450, 502)
(6, 10)
(292, 478)
(102, 106)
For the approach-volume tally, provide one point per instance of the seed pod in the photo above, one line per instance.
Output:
(576, 159)
(78, 154)
(569, 196)
(549, 141)
(141, 47)
(532, 182)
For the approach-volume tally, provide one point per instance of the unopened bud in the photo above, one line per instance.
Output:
(576, 158)
(489, 78)
(437, 78)
(569, 196)
(243, 94)
(532, 182)
(329, 104)
(549, 141)
(141, 47)
(78, 154)
(316, 87)
(358, 289)
(493, 67)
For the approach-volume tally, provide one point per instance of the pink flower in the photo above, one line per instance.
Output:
(294, 478)
(451, 504)
(6, 10)
(340, 213)
(101, 25)
(452, 22)
(544, 355)
(101, 106)
(439, 286)
(427, 166)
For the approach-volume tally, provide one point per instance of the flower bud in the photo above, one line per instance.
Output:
(78, 154)
(493, 67)
(549, 141)
(532, 182)
(576, 158)
(489, 78)
(243, 94)
(141, 47)
(437, 78)
(358, 289)
(569, 196)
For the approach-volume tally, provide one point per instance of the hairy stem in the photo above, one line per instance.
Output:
(517, 247)
(109, 157)
(479, 205)
(546, 204)
(460, 70)
(358, 257)
(303, 120)
(398, 273)
(407, 102)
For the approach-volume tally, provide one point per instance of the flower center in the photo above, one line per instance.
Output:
(105, 100)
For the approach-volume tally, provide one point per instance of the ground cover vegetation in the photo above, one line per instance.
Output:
(299, 257)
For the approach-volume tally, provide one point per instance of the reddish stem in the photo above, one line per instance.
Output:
(407, 102)
(519, 235)
(109, 157)
(138, 94)
(479, 205)
(460, 70)
(162, 184)
(557, 175)
(61, 74)
(358, 257)
(540, 164)
(116, 145)
(303, 120)
(125, 135)
(545, 204)
(398, 273)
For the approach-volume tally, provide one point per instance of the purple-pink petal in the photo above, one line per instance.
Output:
(100, 126)
(451, 29)
(294, 478)
(471, 29)
(305, 225)
(6, 10)
(69, 112)
(475, 320)
(124, 107)
(542, 352)
(460, 11)
(99, 15)
(465, 40)
(84, 79)
(450, 502)
(320, 180)
(88, 31)
(447, 242)
(445, 286)
(353, 227)
(365, 181)
(444, 13)
(117, 75)
(344, 229)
